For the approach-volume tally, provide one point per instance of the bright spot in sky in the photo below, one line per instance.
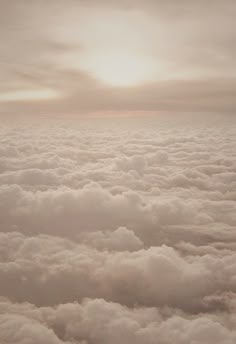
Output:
(25, 95)
(120, 69)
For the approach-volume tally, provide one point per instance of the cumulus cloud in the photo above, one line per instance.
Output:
(121, 239)
(98, 321)
(153, 276)
(116, 230)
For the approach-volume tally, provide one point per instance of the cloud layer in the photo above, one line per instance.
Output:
(118, 230)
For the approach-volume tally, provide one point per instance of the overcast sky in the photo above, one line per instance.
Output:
(67, 56)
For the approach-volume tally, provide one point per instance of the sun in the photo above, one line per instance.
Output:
(121, 69)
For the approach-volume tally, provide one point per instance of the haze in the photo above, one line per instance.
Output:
(69, 56)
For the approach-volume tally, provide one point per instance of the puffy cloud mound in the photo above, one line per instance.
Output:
(99, 321)
(117, 232)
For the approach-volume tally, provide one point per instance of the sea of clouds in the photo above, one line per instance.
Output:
(118, 231)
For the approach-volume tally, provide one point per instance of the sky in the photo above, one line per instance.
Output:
(76, 57)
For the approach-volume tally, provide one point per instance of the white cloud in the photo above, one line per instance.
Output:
(140, 218)
(98, 321)
(121, 239)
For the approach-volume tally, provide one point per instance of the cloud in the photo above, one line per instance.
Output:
(98, 321)
(118, 230)
(38, 264)
(20, 329)
(121, 239)
(192, 44)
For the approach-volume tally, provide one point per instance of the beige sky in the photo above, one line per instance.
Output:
(67, 56)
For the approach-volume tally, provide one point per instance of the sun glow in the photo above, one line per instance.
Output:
(25, 95)
(123, 70)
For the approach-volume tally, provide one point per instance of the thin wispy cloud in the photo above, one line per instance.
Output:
(123, 49)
